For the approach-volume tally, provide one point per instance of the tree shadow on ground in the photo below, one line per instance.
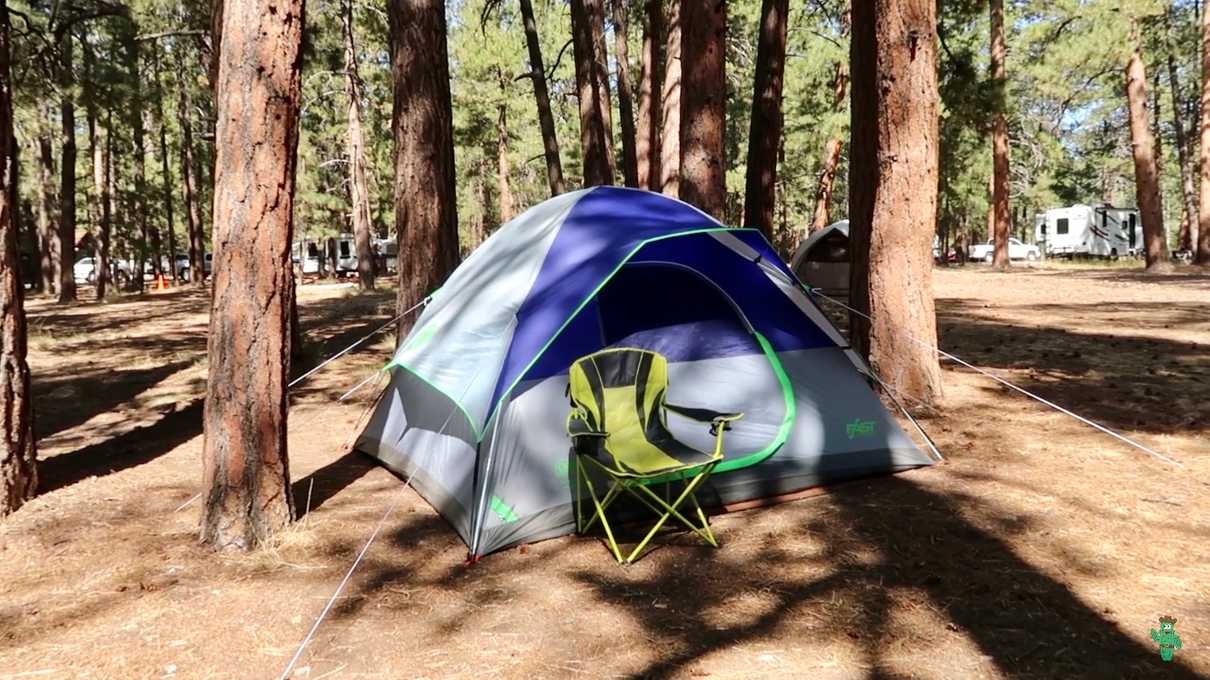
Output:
(317, 488)
(58, 403)
(129, 449)
(1121, 381)
(888, 541)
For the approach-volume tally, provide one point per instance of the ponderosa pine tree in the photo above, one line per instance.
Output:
(670, 102)
(48, 230)
(1184, 157)
(504, 191)
(1203, 220)
(1001, 215)
(894, 143)
(247, 481)
(647, 133)
(596, 133)
(426, 219)
(134, 113)
(765, 132)
(831, 154)
(704, 105)
(18, 459)
(193, 218)
(546, 120)
(1146, 170)
(67, 168)
(630, 169)
(359, 188)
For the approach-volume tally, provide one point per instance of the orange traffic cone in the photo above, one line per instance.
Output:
(159, 282)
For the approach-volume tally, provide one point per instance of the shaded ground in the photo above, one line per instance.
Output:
(1042, 549)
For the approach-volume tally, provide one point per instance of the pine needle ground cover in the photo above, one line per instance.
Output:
(1042, 549)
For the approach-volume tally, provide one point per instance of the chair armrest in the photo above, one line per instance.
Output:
(576, 427)
(702, 415)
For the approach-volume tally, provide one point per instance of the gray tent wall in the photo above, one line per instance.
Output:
(513, 487)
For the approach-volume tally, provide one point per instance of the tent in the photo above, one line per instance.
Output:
(476, 407)
(822, 259)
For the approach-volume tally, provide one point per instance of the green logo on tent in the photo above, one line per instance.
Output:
(502, 510)
(860, 428)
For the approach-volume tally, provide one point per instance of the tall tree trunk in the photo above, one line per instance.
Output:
(166, 189)
(247, 479)
(426, 208)
(503, 190)
(831, 155)
(764, 136)
(670, 113)
(193, 220)
(1146, 170)
(48, 232)
(98, 200)
(359, 189)
(546, 120)
(1001, 212)
(137, 135)
(596, 135)
(1203, 206)
(891, 212)
(1188, 195)
(18, 456)
(106, 203)
(630, 168)
(647, 135)
(703, 154)
(67, 172)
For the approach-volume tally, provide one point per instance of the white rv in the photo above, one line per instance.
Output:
(306, 254)
(1100, 231)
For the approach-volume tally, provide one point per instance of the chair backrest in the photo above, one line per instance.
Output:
(620, 392)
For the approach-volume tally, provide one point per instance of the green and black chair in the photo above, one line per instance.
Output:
(618, 427)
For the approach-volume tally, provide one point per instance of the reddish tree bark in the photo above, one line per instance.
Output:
(67, 172)
(139, 151)
(193, 219)
(703, 155)
(1184, 157)
(630, 168)
(764, 136)
(596, 134)
(546, 120)
(18, 457)
(670, 112)
(894, 116)
(832, 149)
(1203, 220)
(359, 188)
(503, 189)
(247, 480)
(1001, 212)
(166, 176)
(48, 232)
(1146, 170)
(651, 75)
(426, 219)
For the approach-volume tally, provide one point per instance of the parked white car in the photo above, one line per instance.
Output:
(1016, 251)
(84, 271)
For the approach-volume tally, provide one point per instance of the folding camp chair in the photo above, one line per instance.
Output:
(618, 426)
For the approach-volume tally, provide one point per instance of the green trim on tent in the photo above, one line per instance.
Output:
(787, 421)
(470, 421)
(550, 341)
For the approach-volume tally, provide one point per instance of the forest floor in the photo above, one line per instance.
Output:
(1042, 548)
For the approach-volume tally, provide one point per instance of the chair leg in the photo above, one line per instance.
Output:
(613, 544)
(671, 511)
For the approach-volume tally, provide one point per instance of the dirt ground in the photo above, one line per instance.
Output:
(1041, 549)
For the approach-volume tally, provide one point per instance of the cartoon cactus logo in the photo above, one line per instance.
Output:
(1167, 638)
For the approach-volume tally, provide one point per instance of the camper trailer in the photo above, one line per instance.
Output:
(1095, 231)
(307, 251)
